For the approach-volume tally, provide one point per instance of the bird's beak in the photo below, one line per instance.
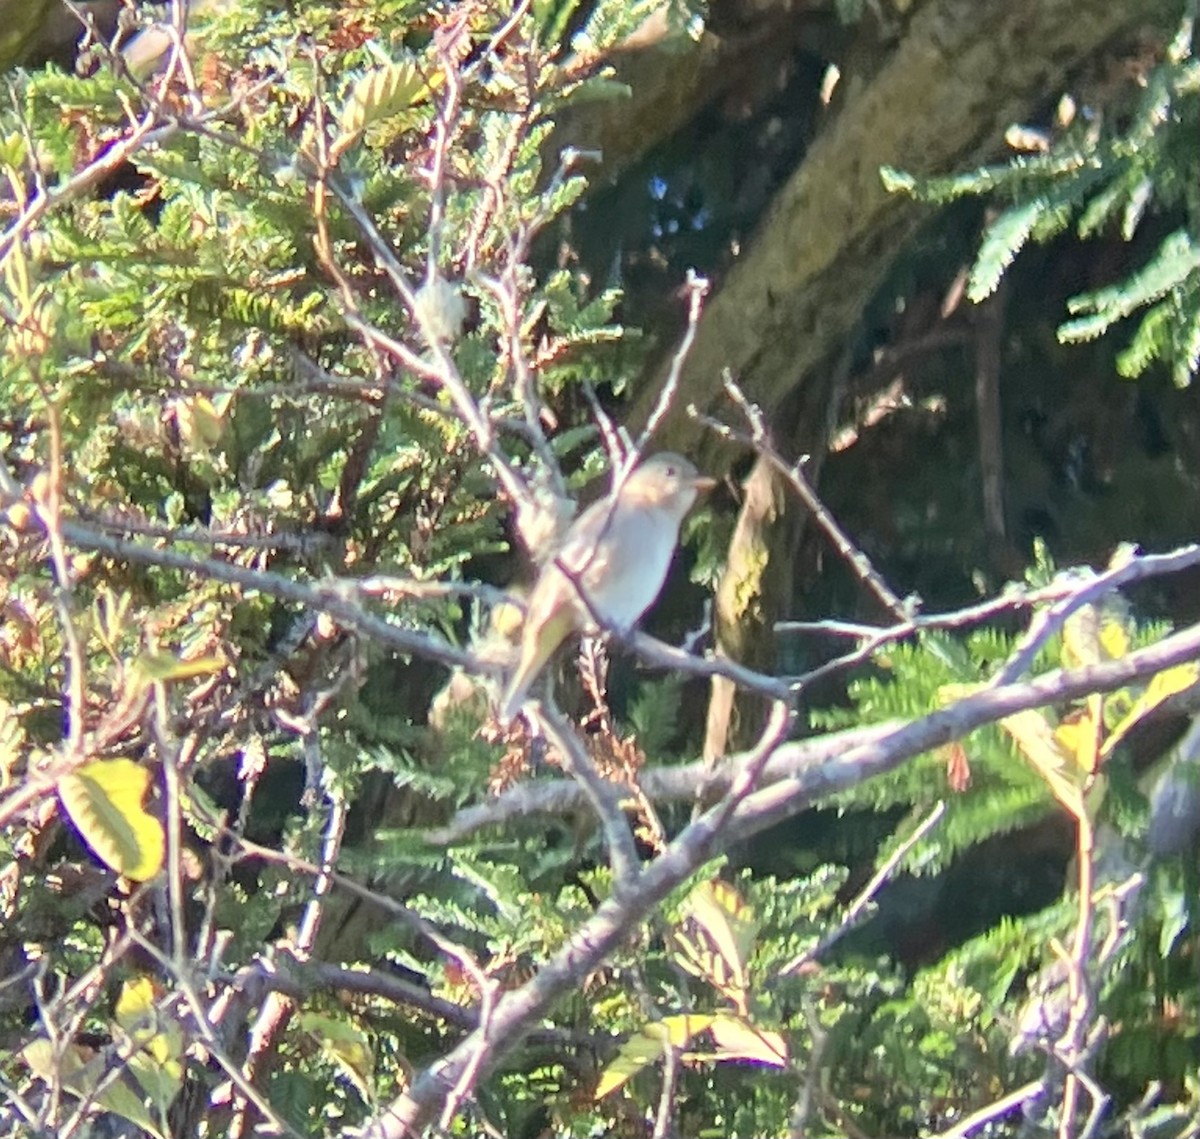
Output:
(703, 483)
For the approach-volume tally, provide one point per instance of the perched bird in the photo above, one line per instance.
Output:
(609, 568)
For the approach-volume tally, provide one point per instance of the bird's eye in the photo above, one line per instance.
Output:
(670, 471)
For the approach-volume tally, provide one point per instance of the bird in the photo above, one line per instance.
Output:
(609, 568)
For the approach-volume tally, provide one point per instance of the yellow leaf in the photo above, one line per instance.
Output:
(135, 1011)
(138, 1014)
(104, 801)
(737, 1039)
(1032, 733)
(678, 1030)
(1114, 639)
(166, 666)
(648, 1046)
(728, 932)
(1034, 736)
(635, 1054)
(77, 1070)
(157, 1068)
(1078, 738)
(1095, 633)
(1163, 685)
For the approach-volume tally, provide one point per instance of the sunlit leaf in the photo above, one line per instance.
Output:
(1163, 685)
(376, 95)
(737, 1039)
(166, 666)
(726, 932)
(1036, 740)
(648, 1046)
(80, 1071)
(1001, 243)
(158, 1067)
(1095, 633)
(1032, 733)
(104, 801)
(158, 1080)
(347, 1045)
(1078, 736)
(135, 1008)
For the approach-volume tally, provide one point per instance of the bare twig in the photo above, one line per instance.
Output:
(665, 1114)
(276, 1009)
(200, 1018)
(150, 131)
(1088, 589)
(782, 799)
(819, 1040)
(858, 907)
(659, 784)
(695, 289)
(661, 655)
(604, 797)
(759, 439)
(326, 597)
(967, 1127)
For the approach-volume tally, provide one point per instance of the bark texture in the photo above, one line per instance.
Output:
(936, 101)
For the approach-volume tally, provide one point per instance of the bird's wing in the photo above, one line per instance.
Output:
(586, 550)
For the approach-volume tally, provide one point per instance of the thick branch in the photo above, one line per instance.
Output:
(940, 101)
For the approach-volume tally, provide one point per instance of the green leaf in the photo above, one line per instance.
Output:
(1177, 258)
(104, 801)
(1001, 243)
(347, 1045)
(167, 666)
(1174, 905)
(897, 181)
(552, 18)
(376, 95)
(79, 1072)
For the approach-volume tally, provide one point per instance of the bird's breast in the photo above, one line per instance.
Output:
(627, 568)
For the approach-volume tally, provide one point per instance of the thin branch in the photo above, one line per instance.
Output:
(992, 1111)
(784, 798)
(1089, 589)
(619, 915)
(759, 439)
(277, 1008)
(696, 289)
(661, 655)
(200, 1018)
(49, 513)
(604, 796)
(858, 907)
(150, 131)
(676, 783)
(327, 597)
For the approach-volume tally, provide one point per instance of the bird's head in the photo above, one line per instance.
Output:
(666, 481)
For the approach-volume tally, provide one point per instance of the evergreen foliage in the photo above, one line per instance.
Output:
(1106, 169)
